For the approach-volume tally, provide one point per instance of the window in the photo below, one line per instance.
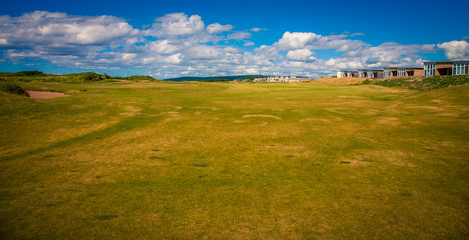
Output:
(429, 69)
(460, 68)
(387, 72)
(401, 72)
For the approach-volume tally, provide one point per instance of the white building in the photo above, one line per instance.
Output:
(281, 79)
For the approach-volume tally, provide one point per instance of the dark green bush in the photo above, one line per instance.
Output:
(216, 80)
(91, 77)
(30, 74)
(137, 77)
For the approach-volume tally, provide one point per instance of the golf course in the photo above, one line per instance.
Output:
(127, 159)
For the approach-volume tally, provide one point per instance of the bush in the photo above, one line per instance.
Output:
(216, 80)
(91, 77)
(136, 77)
(30, 74)
(12, 88)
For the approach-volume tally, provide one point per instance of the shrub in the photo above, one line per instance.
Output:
(136, 77)
(91, 77)
(13, 88)
(30, 74)
(216, 80)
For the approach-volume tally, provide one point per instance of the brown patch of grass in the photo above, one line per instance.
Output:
(262, 116)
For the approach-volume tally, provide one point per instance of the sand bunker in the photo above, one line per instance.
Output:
(45, 95)
(265, 116)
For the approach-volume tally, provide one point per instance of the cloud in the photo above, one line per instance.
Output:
(356, 34)
(177, 24)
(216, 28)
(299, 54)
(238, 36)
(257, 29)
(58, 30)
(455, 50)
(248, 43)
(178, 44)
(163, 47)
(296, 40)
(173, 59)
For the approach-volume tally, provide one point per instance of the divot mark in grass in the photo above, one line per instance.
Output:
(344, 162)
(155, 150)
(200, 165)
(289, 156)
(428, 149)
(99, 176)
(367, 160)
(155, 157)
(107, 216)
(263, 116)
(405, 194)
(53, 204)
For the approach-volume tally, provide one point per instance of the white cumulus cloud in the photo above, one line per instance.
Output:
(299, 54)
(216, 28)
(455, 50)
(177, 24)
(296, 40)
(47, 29)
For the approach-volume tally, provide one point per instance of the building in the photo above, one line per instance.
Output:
(342, 74)
(402, 72)
(370, 73)
(445, 68)
(282, 79)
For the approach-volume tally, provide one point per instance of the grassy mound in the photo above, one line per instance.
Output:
(12, 88)
(428, 83)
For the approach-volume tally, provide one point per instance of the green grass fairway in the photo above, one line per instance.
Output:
(162, 160)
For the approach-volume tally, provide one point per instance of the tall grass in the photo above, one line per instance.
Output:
(13, 88)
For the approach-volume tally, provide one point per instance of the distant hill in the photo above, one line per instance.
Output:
(230, 78)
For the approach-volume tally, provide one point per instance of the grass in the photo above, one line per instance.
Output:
(13, 88)
(160, 160)
(424, 84)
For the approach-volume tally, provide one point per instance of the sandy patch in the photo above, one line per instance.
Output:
(211, 108)
(433, 108)
(345, 81)
(324, 120)
(342, 97)
(45, 95)
(335, 110)
(262, 116)
(131, 111)
(386, 120)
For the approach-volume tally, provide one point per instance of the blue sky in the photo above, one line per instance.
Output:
(205, 38)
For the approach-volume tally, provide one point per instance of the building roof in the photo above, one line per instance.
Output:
(373, 70)
(403, 67)
(445, 62)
